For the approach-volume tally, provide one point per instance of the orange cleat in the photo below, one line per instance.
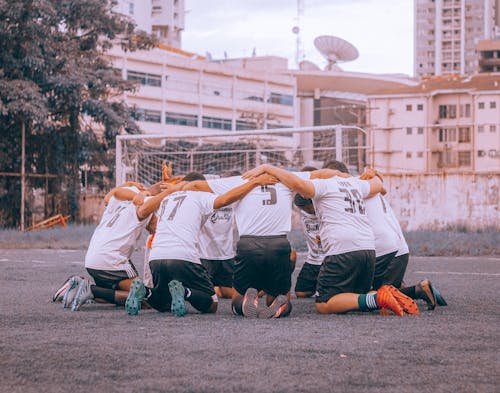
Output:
(407, 303)
(386, 301)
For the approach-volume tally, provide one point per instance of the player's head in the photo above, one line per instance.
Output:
(308, 168)
(192, 176)
(230, 174)
(338, 165)
(304, 204)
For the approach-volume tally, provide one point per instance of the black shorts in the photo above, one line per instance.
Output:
(307, 278)
(263, 263)
(394, 272)
(220, 271)
(382, 264)
(109, 278)
(351, 272)
(191, 275)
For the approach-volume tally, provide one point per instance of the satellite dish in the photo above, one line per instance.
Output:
(335, 50)
(306, 65)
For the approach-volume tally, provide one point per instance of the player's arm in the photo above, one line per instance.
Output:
(376, 186)
(239, 192)
(327, 173)
(121, 193)
(152, 204)
(293, 182)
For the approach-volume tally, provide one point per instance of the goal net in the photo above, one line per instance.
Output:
(139, 157)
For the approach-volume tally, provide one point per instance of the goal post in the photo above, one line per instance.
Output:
(139, 157)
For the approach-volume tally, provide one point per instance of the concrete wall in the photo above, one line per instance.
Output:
(436, 201)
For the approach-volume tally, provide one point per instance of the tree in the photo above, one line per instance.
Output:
(54, 74)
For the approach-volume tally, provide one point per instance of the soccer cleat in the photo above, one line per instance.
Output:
(83, 295)
(426, 291)
(136, 295)
(71, 291)
(178, 305)
(386, 301)
(407, 303)
(59, 294)
(279, 308)
(250, 303)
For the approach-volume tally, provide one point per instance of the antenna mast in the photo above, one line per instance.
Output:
(296, 30)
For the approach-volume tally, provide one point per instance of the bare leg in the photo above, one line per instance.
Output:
(339, 304)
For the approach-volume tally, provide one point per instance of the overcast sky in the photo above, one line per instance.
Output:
(381, 30)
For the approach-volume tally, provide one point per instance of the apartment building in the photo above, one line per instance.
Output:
(183, 93)
(444, 124)
(446, 33)
(164, 18)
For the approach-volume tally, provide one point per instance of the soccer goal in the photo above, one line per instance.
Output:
(139, 157)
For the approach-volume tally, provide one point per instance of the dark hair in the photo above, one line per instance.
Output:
(191, 176)
(300, 201)
(230, 173)
(308, 169)
(338, 165)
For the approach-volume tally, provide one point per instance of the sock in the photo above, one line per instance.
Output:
(409, 291)
(198, 299)
(103, 293)
(368, 302)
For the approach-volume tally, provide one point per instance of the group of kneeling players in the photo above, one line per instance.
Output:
(356, 260)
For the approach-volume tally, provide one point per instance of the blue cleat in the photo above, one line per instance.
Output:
(178, 305)
(136, 295)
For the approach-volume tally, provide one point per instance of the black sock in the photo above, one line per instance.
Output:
(202, 301)
(409, 291)
(103, 293)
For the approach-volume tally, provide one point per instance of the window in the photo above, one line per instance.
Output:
(420, 154)
(181, 119)
(464, 158)
(409, 131)
(408, 108)
(465, 110)
(447, 135)
(131, 8)
(140, 114)
(464, 135)
(480, 128)
(245, 125)
(443, 111)
(420, 130)
(216, 122)
(447, 111)
(282, 99)
(493, 104)
(144, 79)
(420, 107)
(408, 154)
(493, 128)
(480, 105)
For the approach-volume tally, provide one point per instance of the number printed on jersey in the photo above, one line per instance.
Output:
(354, 201)
(271, 197)
(169, 206)
(116, 215)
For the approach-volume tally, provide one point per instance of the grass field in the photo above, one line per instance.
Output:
(451, 242)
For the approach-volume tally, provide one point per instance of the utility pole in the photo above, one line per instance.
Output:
(23, 174)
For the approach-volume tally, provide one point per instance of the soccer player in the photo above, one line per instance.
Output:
(108, 256)
(308, 275)
(346, 275)
(174, 259)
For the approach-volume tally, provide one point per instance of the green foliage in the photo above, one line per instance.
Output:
(55, 78)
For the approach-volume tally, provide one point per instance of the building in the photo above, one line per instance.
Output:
(443, 124)
(489, 55)
(447, 32)
(164, 18)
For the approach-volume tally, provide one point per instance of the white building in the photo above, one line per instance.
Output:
(444, 124)
(164, 18)
(446, 33)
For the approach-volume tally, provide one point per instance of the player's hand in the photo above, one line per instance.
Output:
(166, 170)
(175, 179)
(130, 183)
(138, 199)
(265, 179)
(255, 172)
(370, 173)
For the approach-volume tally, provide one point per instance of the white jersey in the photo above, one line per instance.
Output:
(339, 205)
(217, 236)
(394, 222)
(386, 238)
(264, 211)
(115, 238)
(310, 228)
(180, 217)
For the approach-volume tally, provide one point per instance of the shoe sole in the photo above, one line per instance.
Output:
(407, 303)
(59, 295)
(249, 306)
(278, 307)
(392, 305)
(178, 306)
(72, 284)
(430, 299)
(134, 299)
(77, 302)
(437, 295)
